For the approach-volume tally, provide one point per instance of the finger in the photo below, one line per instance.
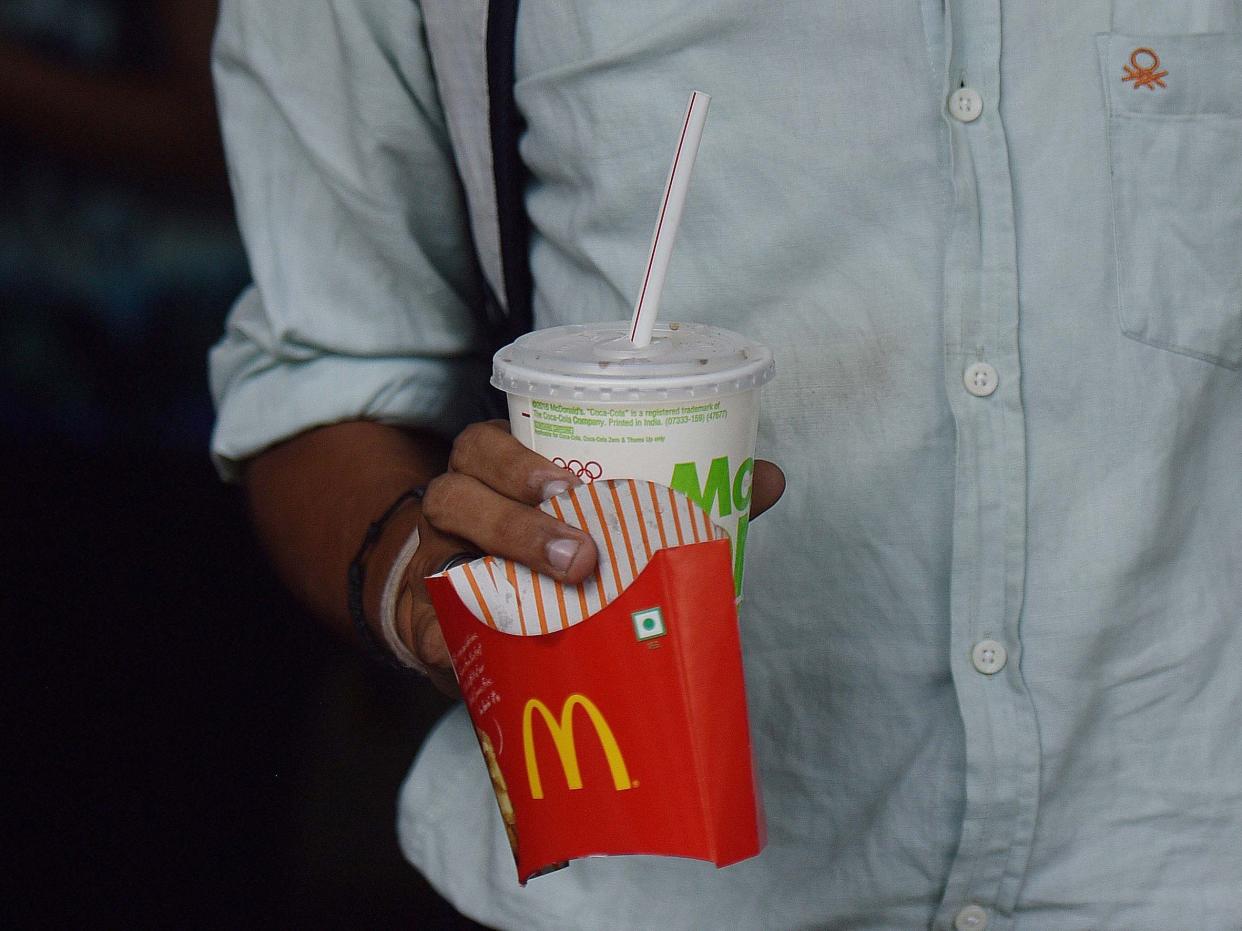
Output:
(431, 649)
(488, 452)
(436, 549)
(465, 507)
(767, 486)
(419, 630)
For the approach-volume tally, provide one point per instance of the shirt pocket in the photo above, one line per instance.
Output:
(1175, 143)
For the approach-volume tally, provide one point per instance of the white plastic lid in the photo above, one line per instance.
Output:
(596, 363)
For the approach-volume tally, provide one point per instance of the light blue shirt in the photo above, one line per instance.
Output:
(993, 632)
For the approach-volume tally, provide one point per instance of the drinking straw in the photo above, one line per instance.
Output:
(648, 305)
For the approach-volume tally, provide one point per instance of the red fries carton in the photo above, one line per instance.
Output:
(611, 715)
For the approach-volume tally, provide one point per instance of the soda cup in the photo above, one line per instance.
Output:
(682, 411)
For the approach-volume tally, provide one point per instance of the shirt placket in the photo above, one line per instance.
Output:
(983, 380)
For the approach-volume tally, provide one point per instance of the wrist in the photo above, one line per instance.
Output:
(381, 561)
(365, 581)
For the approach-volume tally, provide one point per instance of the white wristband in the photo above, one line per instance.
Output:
(388, 605)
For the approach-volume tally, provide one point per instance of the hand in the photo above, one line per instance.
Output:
(488, 502)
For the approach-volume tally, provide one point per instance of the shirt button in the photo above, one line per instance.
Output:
(966, 104)
(981, 379)
(971, 918)
(989, 657)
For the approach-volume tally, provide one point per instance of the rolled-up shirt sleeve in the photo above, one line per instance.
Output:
(366, 296)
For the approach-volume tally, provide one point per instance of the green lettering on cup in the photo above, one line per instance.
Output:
(739, 549)
(716, 489)
(720, 494)
(742, 486)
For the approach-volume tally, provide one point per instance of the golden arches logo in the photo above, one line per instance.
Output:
(562, 732)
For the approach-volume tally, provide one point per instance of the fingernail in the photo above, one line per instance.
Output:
(562, 552)
(553, 488)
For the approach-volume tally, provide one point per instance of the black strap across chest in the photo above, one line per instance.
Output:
(506, 125)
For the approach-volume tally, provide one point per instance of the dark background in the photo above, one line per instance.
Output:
(187, 748)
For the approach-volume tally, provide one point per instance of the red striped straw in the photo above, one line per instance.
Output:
(647, 307)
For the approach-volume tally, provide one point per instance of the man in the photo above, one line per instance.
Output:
(992, 634)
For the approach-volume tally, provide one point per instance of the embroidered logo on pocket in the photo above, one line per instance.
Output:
(1144, 75)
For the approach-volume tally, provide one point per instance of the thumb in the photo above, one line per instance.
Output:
(419, 629)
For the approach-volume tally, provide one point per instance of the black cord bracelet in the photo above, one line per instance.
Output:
(356, 578)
